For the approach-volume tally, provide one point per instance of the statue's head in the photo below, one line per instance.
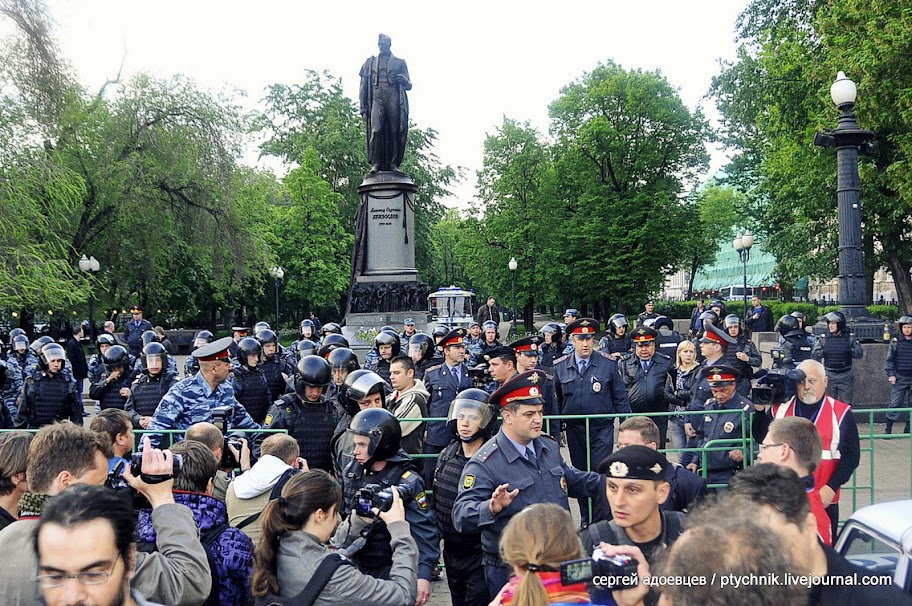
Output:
(384, 43)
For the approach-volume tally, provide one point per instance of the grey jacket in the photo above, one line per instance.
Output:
(177, 574)
(300, 554)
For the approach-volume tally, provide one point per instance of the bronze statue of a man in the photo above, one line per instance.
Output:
(384, 106)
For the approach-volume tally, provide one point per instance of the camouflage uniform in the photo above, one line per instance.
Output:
(13, 386)
(473, 350)
(191, 401)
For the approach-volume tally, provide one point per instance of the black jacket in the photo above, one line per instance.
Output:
(76, 356)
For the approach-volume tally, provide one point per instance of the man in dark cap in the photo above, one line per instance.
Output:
(192, 400)
(134, 329)
(408, 329)
(238, 333)
(519, 466)
(713, 347)
(648, 314)
(731, 423)
(527, 350)
(587, 383)
(644, 372)
(636, 487)
(443, 382)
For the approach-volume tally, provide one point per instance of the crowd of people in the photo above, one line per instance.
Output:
(268, 474)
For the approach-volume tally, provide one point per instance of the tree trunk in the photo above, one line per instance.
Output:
(528, 313)
(900, 269)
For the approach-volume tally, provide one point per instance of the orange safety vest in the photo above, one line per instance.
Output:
(828, 419)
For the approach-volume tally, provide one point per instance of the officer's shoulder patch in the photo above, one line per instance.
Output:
(422, 501)
(607, 356)
(434, 368)
(486, 451)
(288, 409)
(409, 477)
(468, 481)
(549, 377)
(663, 355)
(561, 359)
(548, 436)
(268, 420)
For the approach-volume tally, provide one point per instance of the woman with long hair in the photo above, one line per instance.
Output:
(296, 528)
(679, 390)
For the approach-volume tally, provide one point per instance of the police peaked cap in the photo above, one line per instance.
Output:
(217, 350)
(635, 463)
(714, 334)
(583, 326)
(644, 334)
(530, 344)
(501, 351)
(718, 375)
(525, 388)
(454, 337)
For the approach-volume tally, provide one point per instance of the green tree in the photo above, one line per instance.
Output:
(716, 210)
(627, 148)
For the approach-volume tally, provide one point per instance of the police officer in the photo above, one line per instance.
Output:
(307, 415)
(192, 400)
(668, 340)
(645, 372)
(519, 466)
(732, 424)
(649, 313)
(795, 345)
(617, 342)
(249, 381)
(443, 382)
(191, 366)
(527, 350)
(469, 422)
(237, 333)
(473, 341)
(588, 383)
(26, 358)
(362, 389)
(713, 347)
(330, 342)
(6, 418)
(423, 352)
(49, 394)
(306, 332)
(343, 361)
(489, 332)
(379, 461)
(149, 387)
(408, 329)
(552, 346)
(114, 388)
(134, 329)
(150, 336)
(275, 366)
(388, 347)
(742, 355)
(899, 371)
(836, 350)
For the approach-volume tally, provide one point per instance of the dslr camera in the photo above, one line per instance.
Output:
(612, 571)
(479, 374)
(116, 481)
(776, 386)
(220, 416)
(379, 496)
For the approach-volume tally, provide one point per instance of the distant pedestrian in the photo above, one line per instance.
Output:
(488, 312)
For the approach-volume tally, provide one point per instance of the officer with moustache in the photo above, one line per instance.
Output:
(527, 350)
(645, 372)
(588, 383)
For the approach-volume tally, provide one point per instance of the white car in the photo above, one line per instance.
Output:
(879, 538)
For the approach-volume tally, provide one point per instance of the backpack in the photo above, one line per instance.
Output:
(314, 587)
(207, 539)
(275, 494)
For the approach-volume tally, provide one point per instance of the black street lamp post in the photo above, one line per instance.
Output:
(278, 273)
(743, 245)
(91, 267)
(513, 265)
(847, 139)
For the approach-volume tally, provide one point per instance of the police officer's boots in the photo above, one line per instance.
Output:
(889, 428)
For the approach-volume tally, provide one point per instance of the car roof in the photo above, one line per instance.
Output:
(892, 519)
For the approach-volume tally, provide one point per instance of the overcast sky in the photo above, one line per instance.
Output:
(471, 62)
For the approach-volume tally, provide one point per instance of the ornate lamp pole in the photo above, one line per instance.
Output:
(278, 273)
(91, 267)
(743, 245)
(847, 139)
(513, 265)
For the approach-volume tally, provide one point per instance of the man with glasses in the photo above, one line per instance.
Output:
(644, 372)
(838, 433)
(793, 442)
(587, 383)
(723, 459)
(192, 400)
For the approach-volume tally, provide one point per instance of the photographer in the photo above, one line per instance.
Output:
(535, 543)
(293, 551)
(62, 455)
(231, 453)
(380, 463)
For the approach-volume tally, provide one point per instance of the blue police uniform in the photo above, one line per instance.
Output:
(547, 480)
(12, 388)
(899, 365)
(728, 425)
(191, 401)
(473, 349)
(28, 364)
(132, 335)
(47, 398)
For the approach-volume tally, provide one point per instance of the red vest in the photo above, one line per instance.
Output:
(827, 421)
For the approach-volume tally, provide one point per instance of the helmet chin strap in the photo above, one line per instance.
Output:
(471, 438)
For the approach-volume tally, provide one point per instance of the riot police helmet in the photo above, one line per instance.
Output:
(553, 329)
(343, 358)
(615, 322)
(420, 347)
(306, 329)
(330, 342)
(441, 330)
(246, 347)
(732, 320)
(50, 352)
(387, 328)
(331, 328)
(710, 315)
(359, 385)
(312, 371)
(20, 343)
(391, 339)
(149, 336)
(153, 350)
(267, 336)
(382, 430)
(650, 323)
(470, 406)
(838, 318)
(15, 333)
(116, 357)
(663, 322)
(39, 343)
(802, 319)
(202, 337)
(905, 319)
(788, 326)
(720, 305)
(305, 347)
(106, 339)
(261, 325)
